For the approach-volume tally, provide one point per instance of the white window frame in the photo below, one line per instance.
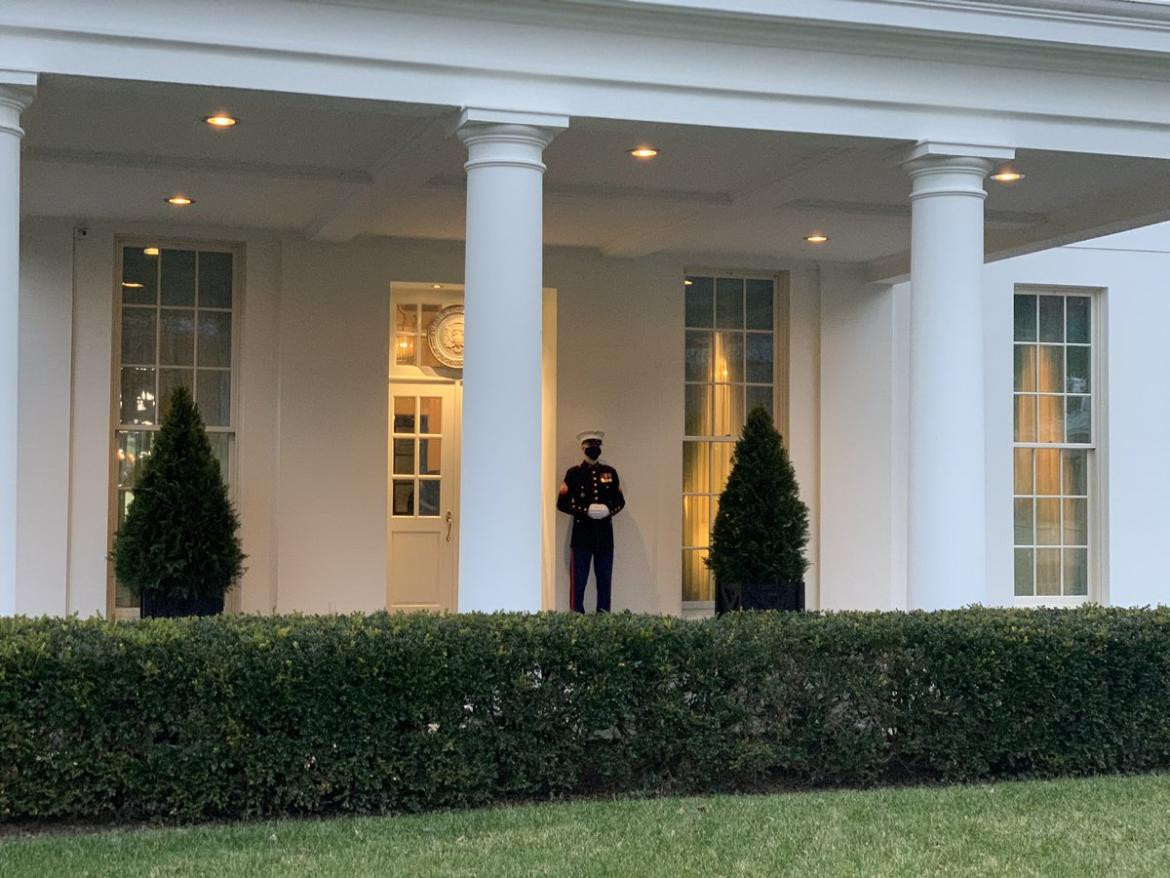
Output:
(780, 356)
(1097, 590)
(232, 430)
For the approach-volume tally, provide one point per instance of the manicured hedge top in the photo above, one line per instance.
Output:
(257, 716)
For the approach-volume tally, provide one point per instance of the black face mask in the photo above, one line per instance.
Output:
(593, 451)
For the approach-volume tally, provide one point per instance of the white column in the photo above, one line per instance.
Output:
(500, 475)
(16, 93)
(946, 560)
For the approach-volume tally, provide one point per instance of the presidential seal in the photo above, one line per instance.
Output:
(445, 336)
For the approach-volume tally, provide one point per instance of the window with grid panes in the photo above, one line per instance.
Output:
(730, 369)
(175, 327)
(1054, 444)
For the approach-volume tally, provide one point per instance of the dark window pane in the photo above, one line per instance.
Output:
(698, 356)
(139, 277)
(403, 457)
(1077, 363)
(1078, 319)
(1076, 472)
(1024, 566)
(168, 380)
(759, 358)
(1051, 318)
(428, 497)
(214, 397)
(729, 303)
(759, 304)
(215, 338)
(403, 503)
(138, 332)
(700, 302)
(1078, 423)
(215, 280)
(760, 397)
(137, 403)
(176, 337)
(178, 277)
(1025, 318)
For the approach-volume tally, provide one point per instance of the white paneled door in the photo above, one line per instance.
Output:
(423, 517)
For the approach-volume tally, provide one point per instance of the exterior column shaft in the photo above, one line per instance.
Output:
(501, 498)
(946, 560)
(16, 92)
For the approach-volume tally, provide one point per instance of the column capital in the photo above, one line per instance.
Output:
(17, 90)
(942, 168)
(506, 137)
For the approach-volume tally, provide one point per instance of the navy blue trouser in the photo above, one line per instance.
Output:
(579, 577)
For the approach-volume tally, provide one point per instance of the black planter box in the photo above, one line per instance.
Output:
(160, 607)
(760, 596)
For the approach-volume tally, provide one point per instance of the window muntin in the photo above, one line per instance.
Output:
(730, 347)
(175, 325)
(1054, 438)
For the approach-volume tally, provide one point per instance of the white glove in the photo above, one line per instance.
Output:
(598, 510)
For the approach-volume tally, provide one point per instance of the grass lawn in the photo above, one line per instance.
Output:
(1106, 826)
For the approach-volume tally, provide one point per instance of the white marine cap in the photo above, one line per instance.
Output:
(589, 436)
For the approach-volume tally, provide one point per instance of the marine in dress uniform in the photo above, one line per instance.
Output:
(592, 494)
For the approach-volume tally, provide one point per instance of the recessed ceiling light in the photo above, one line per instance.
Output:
(644, 152)
(151, 251)
(180, 200)
(132, 285)
(1007, 175)
(688, 282)
(816, 238)
(221, 120)
(436, 286)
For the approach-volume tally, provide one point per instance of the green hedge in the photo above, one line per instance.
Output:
(250, 716)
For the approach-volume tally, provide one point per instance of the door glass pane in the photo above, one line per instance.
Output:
(1050, 426)
(698, 356)
(404, 457)
(137, 402)
(139, 277)
(1025, 561)
(404, 414)
(1048, 522)
(1052, 318)
(758, 397)
(759, 304)
(1078, 370)
(729, 303)
(729, 356)
(1024, 522)
(178, 277)
(759, 357)
(700, 302)
(215, 338)
(1076, 522)
(1078, 422)
(1025, 318)
(1047, 471)
(1050, 369)
(1025, 418)
(430, 457)
(1076, 472)
(1078, 319)
(428, 497)
(1047, 571)
(698, 410)
(430, 414)
(1023, 470)
(695, 468)
(213, 396)
(215, 280)
(176, 337)
(138, 332)
(1076, 571)
(696, 520)
(1025, 372)
(696, 585)
(729, 416)
(403, 499)
(168, 380)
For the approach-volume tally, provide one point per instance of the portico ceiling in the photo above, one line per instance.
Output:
(334, 169)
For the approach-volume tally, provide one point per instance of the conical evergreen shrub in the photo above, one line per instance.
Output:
(180, 545)
(761, 530)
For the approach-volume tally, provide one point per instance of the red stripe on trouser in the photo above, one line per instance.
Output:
(572, 580)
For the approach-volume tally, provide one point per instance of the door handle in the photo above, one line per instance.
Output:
(448, 520)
